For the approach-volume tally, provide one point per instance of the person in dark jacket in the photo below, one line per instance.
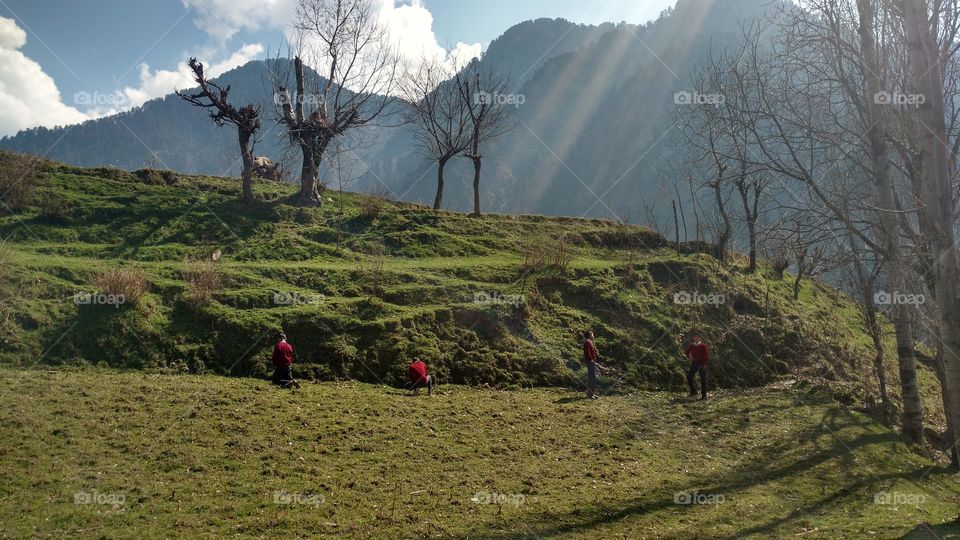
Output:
(699, 356)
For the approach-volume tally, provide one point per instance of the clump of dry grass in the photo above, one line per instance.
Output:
(373, 204)
(18, 179)
(551, 253)
(128, 284)
(203, 279)
(370, 269)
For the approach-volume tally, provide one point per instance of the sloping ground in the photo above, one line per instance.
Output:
(361, 288)
(99, 453)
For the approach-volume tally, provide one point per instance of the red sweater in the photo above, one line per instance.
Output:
(417, 372)
(282, 354)
(589, 351)
(698, 353)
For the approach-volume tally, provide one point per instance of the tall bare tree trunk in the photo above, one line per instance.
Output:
(475, 158)
(945, 395)
(309, 170)
(441, 163)
(876, 334)
(676, 227)
(476, 184)
(938, 198)
(724, 236)
(912, 418)
(868, 308)
(750, 217)
(796, 283)
(246, 155)
(311, 191)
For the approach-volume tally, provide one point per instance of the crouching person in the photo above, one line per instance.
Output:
(419, 377)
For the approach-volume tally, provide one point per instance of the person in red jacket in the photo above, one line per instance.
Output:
(699, 356)
(282, 362)
(590, 359)
(418, 376)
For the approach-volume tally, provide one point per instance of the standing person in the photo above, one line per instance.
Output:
(699, 356)
(282, 362)
(590, 359)
(418, 376)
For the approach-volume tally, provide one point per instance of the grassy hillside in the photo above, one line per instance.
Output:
(97, 453)
(361, 286)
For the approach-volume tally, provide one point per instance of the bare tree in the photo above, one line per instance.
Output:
(247, 119)
(709, 128)
(807, 244)
(750, 188)
(864, 275)
(435, 107)
(879, 164)
(344, 40)
(484, 96)
(922, 226)
(938, 211)
(814, 122)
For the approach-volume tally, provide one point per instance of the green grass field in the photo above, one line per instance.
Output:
(100, 453)
(362, 292)
(119, 421)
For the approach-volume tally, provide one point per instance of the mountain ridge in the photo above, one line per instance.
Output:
(612, 83)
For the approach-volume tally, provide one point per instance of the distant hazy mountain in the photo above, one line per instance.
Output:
(595, 120)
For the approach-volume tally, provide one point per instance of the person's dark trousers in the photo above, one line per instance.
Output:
(428, 384)
(282, 375)
(702, 370)
(591, 377)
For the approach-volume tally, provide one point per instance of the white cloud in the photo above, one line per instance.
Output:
(11, 35)
(158, 83)
(410, 27)
(28, 96)
(409, 24)
(462, 53)
(223, 19)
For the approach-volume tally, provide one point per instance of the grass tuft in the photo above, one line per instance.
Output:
(130, 284)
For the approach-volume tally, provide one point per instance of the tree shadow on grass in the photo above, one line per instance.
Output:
(754, 473)
(204, 221)
(944, 531)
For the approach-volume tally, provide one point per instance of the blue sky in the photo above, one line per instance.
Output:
(125, 52)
